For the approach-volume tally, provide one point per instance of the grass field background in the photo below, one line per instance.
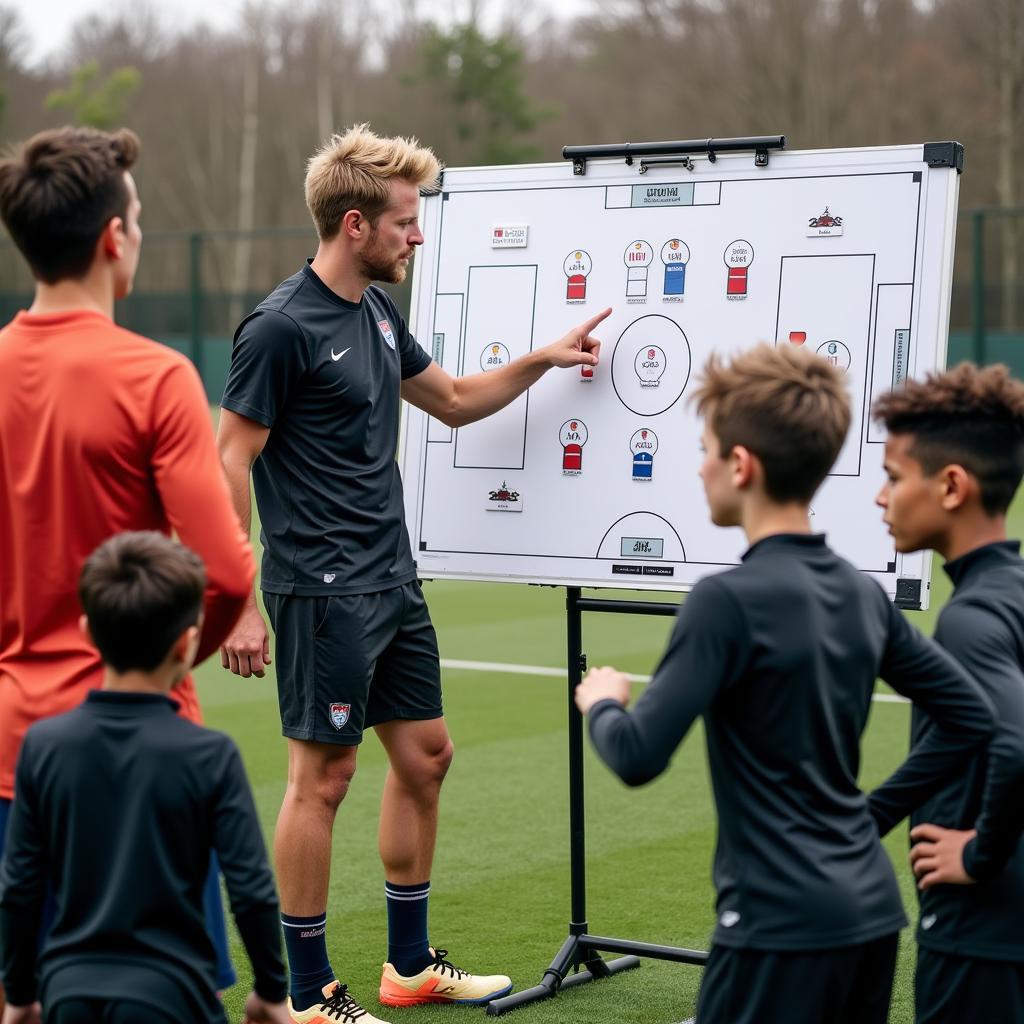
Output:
(500, 885)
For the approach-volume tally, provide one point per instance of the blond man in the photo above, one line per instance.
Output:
(780, 656)
(311, 408)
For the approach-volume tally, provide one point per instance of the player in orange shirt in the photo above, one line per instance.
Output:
(101, 431)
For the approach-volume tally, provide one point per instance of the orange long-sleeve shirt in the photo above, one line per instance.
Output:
(101, 431)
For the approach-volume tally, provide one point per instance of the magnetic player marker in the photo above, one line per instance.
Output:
(573, 436)
(577, 265)
(738, 257)
(637, 257)
(675, 254)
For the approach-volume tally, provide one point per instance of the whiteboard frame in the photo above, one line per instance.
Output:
(929, 327)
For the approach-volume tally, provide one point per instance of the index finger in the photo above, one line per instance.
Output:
(926, 831)
(587, 327)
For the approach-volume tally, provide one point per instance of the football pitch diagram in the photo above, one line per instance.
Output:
(591, 477)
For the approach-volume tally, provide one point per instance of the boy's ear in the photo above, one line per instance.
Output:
(958, 486)
(83, 625)
(742, 462)
(111, 240)
(184, 648)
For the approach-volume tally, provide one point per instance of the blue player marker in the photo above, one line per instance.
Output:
(675, 254)
(643, 444)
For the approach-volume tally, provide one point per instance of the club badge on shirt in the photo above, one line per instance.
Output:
(339, 715)
(386, 332)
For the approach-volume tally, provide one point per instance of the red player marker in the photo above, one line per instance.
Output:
(797, 337)
(586, 372)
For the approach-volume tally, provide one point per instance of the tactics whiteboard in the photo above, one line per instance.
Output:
(591, 480)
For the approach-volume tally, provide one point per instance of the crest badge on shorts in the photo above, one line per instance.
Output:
(387, 333)
(339, 715)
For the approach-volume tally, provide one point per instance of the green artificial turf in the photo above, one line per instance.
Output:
(500, 885)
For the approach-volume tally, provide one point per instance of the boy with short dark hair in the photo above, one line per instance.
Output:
(119, 803)
(780, 657)
(954, 458)
(101, 430)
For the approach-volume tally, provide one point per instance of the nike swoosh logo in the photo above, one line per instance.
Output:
(337, 355)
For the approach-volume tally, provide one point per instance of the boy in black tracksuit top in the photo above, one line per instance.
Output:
(780, 656)
(954, 458)
(119, 803)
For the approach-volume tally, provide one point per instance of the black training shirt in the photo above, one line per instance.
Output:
(780, 656)
(324, 375)
(118, 805)
(982, 626)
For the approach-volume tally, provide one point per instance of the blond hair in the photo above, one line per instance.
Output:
(784, 405)
(354, 171)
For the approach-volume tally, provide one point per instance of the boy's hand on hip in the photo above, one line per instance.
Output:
(937, 856)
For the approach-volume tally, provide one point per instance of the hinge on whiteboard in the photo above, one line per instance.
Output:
(945, 154)
(908, 594)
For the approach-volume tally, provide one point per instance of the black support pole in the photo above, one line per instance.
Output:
(577, 821)
(580, 953)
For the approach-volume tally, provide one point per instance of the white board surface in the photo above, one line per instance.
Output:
(593, 481)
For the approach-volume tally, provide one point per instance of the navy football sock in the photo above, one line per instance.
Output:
(305, 939)
(408, 948)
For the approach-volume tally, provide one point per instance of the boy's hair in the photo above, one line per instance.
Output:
(354, 171)
(59, 190)
(786, 406)
(140, 592)
(968, 416)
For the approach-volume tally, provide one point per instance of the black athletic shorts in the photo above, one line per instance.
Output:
(113, 1011)
(346, 662)
(964, 990)
(850, 985)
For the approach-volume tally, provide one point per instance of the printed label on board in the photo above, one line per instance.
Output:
(642, 547)
(824, 225)
(504, 499)
(627, 570)
(899, 365)
(509, 236)
(680, 194)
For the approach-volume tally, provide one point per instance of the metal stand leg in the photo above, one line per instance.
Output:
(580, 951)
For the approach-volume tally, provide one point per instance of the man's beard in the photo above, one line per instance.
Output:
(374, 264)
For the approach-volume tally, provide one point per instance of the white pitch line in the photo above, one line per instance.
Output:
(559, 673)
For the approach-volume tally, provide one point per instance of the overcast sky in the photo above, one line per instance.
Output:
(48, 22)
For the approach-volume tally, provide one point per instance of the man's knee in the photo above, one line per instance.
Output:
(323, 776)
(441, 760)
(433, 763)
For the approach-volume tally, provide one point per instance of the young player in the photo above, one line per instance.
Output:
(311, 408)
(953, 461)
(780, 657)
(119, 803)
(100, 431)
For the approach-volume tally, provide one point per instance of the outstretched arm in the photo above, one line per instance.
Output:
(703, 656)
(456, 401)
